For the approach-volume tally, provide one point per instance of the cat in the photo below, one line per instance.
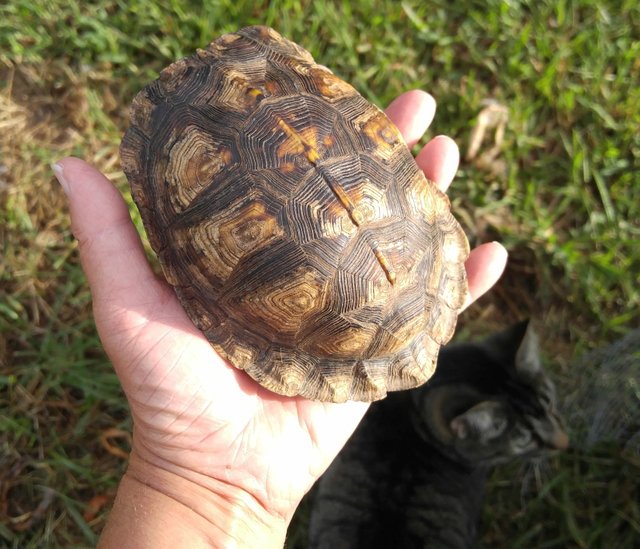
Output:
(414, 471)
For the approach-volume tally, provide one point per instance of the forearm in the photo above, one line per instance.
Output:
(156, 508)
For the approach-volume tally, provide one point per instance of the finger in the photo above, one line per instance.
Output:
(484, 267)
(439, 161)
(412, 112)
(111, 252)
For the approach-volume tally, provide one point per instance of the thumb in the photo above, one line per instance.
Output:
(136, 313)
(111, 252)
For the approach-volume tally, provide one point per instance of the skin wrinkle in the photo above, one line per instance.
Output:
(133, 476)
(124, 328)
(213, 433)
(129, 315)
(151, 427)
(198, 416)
(141, 359)
(305, 424)
(258, 488)
(315, 447)
(188, 416)
(124, 321)
(314, 469)
(115, 227)
(178, 444)
(171, 368)
(224, 494)
(252, 432)
(169, 466)
(237, 442)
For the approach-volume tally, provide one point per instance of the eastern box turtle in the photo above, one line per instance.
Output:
(293, 222)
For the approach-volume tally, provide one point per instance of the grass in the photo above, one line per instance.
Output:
(563, 193)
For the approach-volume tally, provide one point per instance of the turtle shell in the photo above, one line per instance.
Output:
(293, 222)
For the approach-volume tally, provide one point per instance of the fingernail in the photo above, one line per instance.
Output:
(59, 173)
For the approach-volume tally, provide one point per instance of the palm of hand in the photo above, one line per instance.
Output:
(192, 411)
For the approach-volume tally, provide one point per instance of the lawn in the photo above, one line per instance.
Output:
(559, 186)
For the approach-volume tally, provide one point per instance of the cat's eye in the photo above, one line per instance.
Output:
(484, 423)
(523, 438)
(498, 427)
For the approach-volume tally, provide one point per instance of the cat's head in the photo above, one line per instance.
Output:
(491, 401)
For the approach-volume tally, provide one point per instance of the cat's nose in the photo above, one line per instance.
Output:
(560, 440)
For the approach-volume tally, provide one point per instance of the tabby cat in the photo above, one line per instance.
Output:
(413, 473)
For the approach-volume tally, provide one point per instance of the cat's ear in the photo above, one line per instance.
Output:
(517, 345)
(483, 422)
(528, 354)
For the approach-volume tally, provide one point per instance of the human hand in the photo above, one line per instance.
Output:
(206, 437)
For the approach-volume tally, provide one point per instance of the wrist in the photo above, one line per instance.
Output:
(156, 507)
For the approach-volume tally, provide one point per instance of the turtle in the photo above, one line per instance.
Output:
(293, 222)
